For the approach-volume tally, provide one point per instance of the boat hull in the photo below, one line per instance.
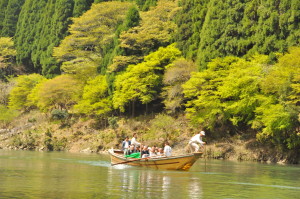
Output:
(183, 162)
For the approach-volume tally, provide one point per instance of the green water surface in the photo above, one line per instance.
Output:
(26, 174)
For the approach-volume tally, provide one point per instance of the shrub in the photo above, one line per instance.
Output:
(57, 114)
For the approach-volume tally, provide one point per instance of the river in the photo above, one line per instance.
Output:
(31, 174)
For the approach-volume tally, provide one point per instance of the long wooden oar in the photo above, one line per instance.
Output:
(137, 159)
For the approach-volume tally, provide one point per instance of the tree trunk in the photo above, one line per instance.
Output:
(133, 103)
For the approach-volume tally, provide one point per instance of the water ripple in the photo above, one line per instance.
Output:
(264, 185)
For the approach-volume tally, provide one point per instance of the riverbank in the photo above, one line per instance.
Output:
(35, 131)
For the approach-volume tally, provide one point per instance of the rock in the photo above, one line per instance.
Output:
(87, 150)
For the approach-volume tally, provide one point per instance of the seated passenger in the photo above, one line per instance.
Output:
(131, 150)
(137, 150)
(145, 152)
(160, 152)
(152, 152)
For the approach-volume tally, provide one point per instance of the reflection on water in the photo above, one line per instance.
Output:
(66, 175)
(134, 181)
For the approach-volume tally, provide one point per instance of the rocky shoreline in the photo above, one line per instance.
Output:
(81, 136)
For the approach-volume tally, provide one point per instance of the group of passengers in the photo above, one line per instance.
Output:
(133, 146)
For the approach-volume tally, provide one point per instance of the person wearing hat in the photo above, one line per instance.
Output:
(197, 139)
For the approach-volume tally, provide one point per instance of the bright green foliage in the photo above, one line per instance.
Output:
(154, 30)
(112, 52)
(23, 86)
(175, 75)
(142, 82)
(224, 94)
(11, 17)
(34, 96)
(61, 92)
(278, 116)
(82, 69)
(90, 33)
(7, 52)
(95, 100)
(6, 115)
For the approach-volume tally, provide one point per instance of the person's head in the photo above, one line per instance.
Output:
(137, 148)
(166, 143)
(161, 150)
(202, 133)
(127, 138)
(134, 135)
(145, 148)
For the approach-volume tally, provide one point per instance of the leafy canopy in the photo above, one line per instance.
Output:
(143, 81)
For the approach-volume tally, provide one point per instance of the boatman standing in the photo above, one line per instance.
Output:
(134, 142)
(197, 139)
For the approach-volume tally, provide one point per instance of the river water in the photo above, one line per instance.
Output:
(29, 174)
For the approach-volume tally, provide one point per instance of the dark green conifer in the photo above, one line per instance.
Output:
(80, 6)
(3, 5)
(11, 17)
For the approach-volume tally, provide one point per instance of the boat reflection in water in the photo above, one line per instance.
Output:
(137, 182)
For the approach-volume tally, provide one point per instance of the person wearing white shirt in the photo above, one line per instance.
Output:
(125, 145)
(133, 140)
(197, 139)
(167, 149)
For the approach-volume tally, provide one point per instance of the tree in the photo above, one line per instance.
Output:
(80, 6)
(278, 116)
(6, 115)
(3, 5)
(190, 19)
(142, 82)
(27, 30)
(90, 33)
(95, 99)
(7, 56)
(224, 95)
(52, 28)
(154, 30)
(176, 75)
(10, 20)
(41, 26)
(61, 92)
(114, 57)
(5, 88)
(23, 86)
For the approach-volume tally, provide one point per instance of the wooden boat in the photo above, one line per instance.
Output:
(181, 162)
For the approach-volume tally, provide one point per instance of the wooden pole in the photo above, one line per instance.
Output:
(205, 156)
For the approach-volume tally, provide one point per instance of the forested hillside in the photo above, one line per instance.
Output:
(230, 67)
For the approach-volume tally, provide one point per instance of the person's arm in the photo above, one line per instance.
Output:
(200, 141)
(134, 142)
